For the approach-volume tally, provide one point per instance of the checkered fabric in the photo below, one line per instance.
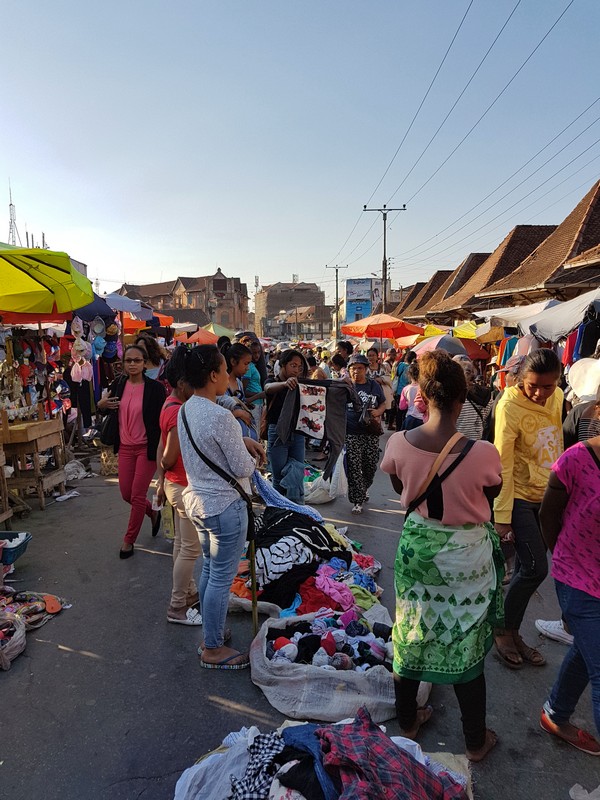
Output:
(261, 768)
(371, 767)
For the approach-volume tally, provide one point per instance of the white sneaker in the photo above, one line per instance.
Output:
(357, 509)
(554, 629)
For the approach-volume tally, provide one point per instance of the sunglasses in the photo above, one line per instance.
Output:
(133, 360)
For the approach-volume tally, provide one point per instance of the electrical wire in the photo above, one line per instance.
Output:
(504, 182)
(492, 104)
(412, 122)
(456, 102)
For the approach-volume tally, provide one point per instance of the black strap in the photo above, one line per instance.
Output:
(477, 411)
(439, 479)
(222, 474)
(592, 453)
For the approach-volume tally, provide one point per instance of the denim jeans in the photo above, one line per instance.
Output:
(280, 453)
(531, 563)
(222, 538)
(581, 665)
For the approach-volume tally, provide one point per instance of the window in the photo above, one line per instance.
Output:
(225, 318)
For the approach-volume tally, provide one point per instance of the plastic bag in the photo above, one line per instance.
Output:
(321, 491)
(301, 691)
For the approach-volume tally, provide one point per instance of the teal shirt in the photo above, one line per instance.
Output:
(254, 385)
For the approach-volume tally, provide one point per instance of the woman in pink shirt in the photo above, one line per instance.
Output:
(449, 566)
(137, 400)
(570, 522)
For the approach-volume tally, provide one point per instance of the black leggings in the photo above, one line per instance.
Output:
(531, 564)
(471, 699)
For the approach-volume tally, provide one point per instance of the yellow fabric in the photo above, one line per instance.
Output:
(39, 281)
(433, 330)
(529, 439)
(466, 330)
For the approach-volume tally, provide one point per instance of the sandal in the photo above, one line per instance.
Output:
(528, 654)
(192, 617)
(507, 649)
(226, 662)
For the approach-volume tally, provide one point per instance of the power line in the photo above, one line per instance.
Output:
(504, 182)
(466, 86)
(493, 103)
(504, 196)
(412, 122)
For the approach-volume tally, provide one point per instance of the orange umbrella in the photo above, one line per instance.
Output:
(132, 325)
(203, 337)
(381, 326)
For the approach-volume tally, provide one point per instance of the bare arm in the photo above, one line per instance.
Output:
(552, 509)
(171, 451)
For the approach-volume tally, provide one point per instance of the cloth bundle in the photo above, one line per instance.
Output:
(333, 642)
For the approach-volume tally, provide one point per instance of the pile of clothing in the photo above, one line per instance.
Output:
(353, 759)
(303, 566)
(333, 642)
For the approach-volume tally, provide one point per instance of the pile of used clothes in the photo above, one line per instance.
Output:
(333, 642)
(303, 565)
(320, 762)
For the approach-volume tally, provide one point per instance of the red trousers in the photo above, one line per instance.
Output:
(135, 474)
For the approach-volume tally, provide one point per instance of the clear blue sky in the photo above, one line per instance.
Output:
(155, 139)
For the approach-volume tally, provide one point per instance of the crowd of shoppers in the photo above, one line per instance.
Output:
(479, 472)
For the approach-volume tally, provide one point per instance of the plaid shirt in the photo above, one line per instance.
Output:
(371, 767)
(261, 768)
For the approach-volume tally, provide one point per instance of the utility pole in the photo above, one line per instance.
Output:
(337, 268)
(384, 267)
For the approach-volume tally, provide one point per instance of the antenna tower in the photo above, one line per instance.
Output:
(13, 233)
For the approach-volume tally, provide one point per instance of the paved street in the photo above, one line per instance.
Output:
(108, 701)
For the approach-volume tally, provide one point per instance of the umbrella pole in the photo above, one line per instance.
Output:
(46, 381)
(122, 332)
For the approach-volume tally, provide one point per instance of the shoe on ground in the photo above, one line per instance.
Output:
(357, 509)
(554, 629)
(583, 740)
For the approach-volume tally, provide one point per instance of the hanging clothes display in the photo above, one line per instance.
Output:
(338, 394)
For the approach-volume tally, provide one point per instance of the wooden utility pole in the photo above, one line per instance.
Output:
(384, 269)
(337, 268)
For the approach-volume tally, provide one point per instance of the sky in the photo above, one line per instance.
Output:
(154, 139)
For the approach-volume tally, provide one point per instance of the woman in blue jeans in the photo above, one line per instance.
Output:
(282, 455)
(570, 519)
(216, 508)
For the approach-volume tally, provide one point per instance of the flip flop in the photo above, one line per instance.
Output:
(192, 617)
(225, 664)
(504, 651)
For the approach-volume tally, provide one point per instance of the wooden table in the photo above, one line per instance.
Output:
(23, 440)
(5, 509)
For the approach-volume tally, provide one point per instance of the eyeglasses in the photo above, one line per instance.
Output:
(133, 360)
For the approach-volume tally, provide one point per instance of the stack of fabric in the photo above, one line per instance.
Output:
(320, 762)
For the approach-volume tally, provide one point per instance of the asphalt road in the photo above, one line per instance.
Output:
(108, 701)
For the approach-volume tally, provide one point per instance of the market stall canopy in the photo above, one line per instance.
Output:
(203, 337)
(381, 326)
(219, 330)
(453, 346)
(559, 320)
(184, 327)
(511, 316)
(408, 341)
(466, 330)
(132, 324)
(40, 282)
(120, 302)
(97, 308)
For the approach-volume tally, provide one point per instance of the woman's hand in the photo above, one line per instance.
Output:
(256, 450)
(505, 532)
(109, 403)
(244, 415)
(291, 383)
(160, 493)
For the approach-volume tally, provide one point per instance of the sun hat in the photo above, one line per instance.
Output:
(358, 358)
(584, 378)
(325, 354)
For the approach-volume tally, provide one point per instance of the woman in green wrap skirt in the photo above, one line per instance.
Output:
(449, 566)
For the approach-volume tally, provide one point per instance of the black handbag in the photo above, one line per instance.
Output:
(109, 427)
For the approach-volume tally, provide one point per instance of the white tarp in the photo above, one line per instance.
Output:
(512, 315)
(554, 323)
(120, 302)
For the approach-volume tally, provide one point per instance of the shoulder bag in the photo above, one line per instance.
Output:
(370, 425)
(433, 480)
(229, 479)
(109, 426)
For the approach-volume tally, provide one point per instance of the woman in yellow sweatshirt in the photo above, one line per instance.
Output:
(528, 435)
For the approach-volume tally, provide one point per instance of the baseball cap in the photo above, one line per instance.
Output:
(513, 365)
